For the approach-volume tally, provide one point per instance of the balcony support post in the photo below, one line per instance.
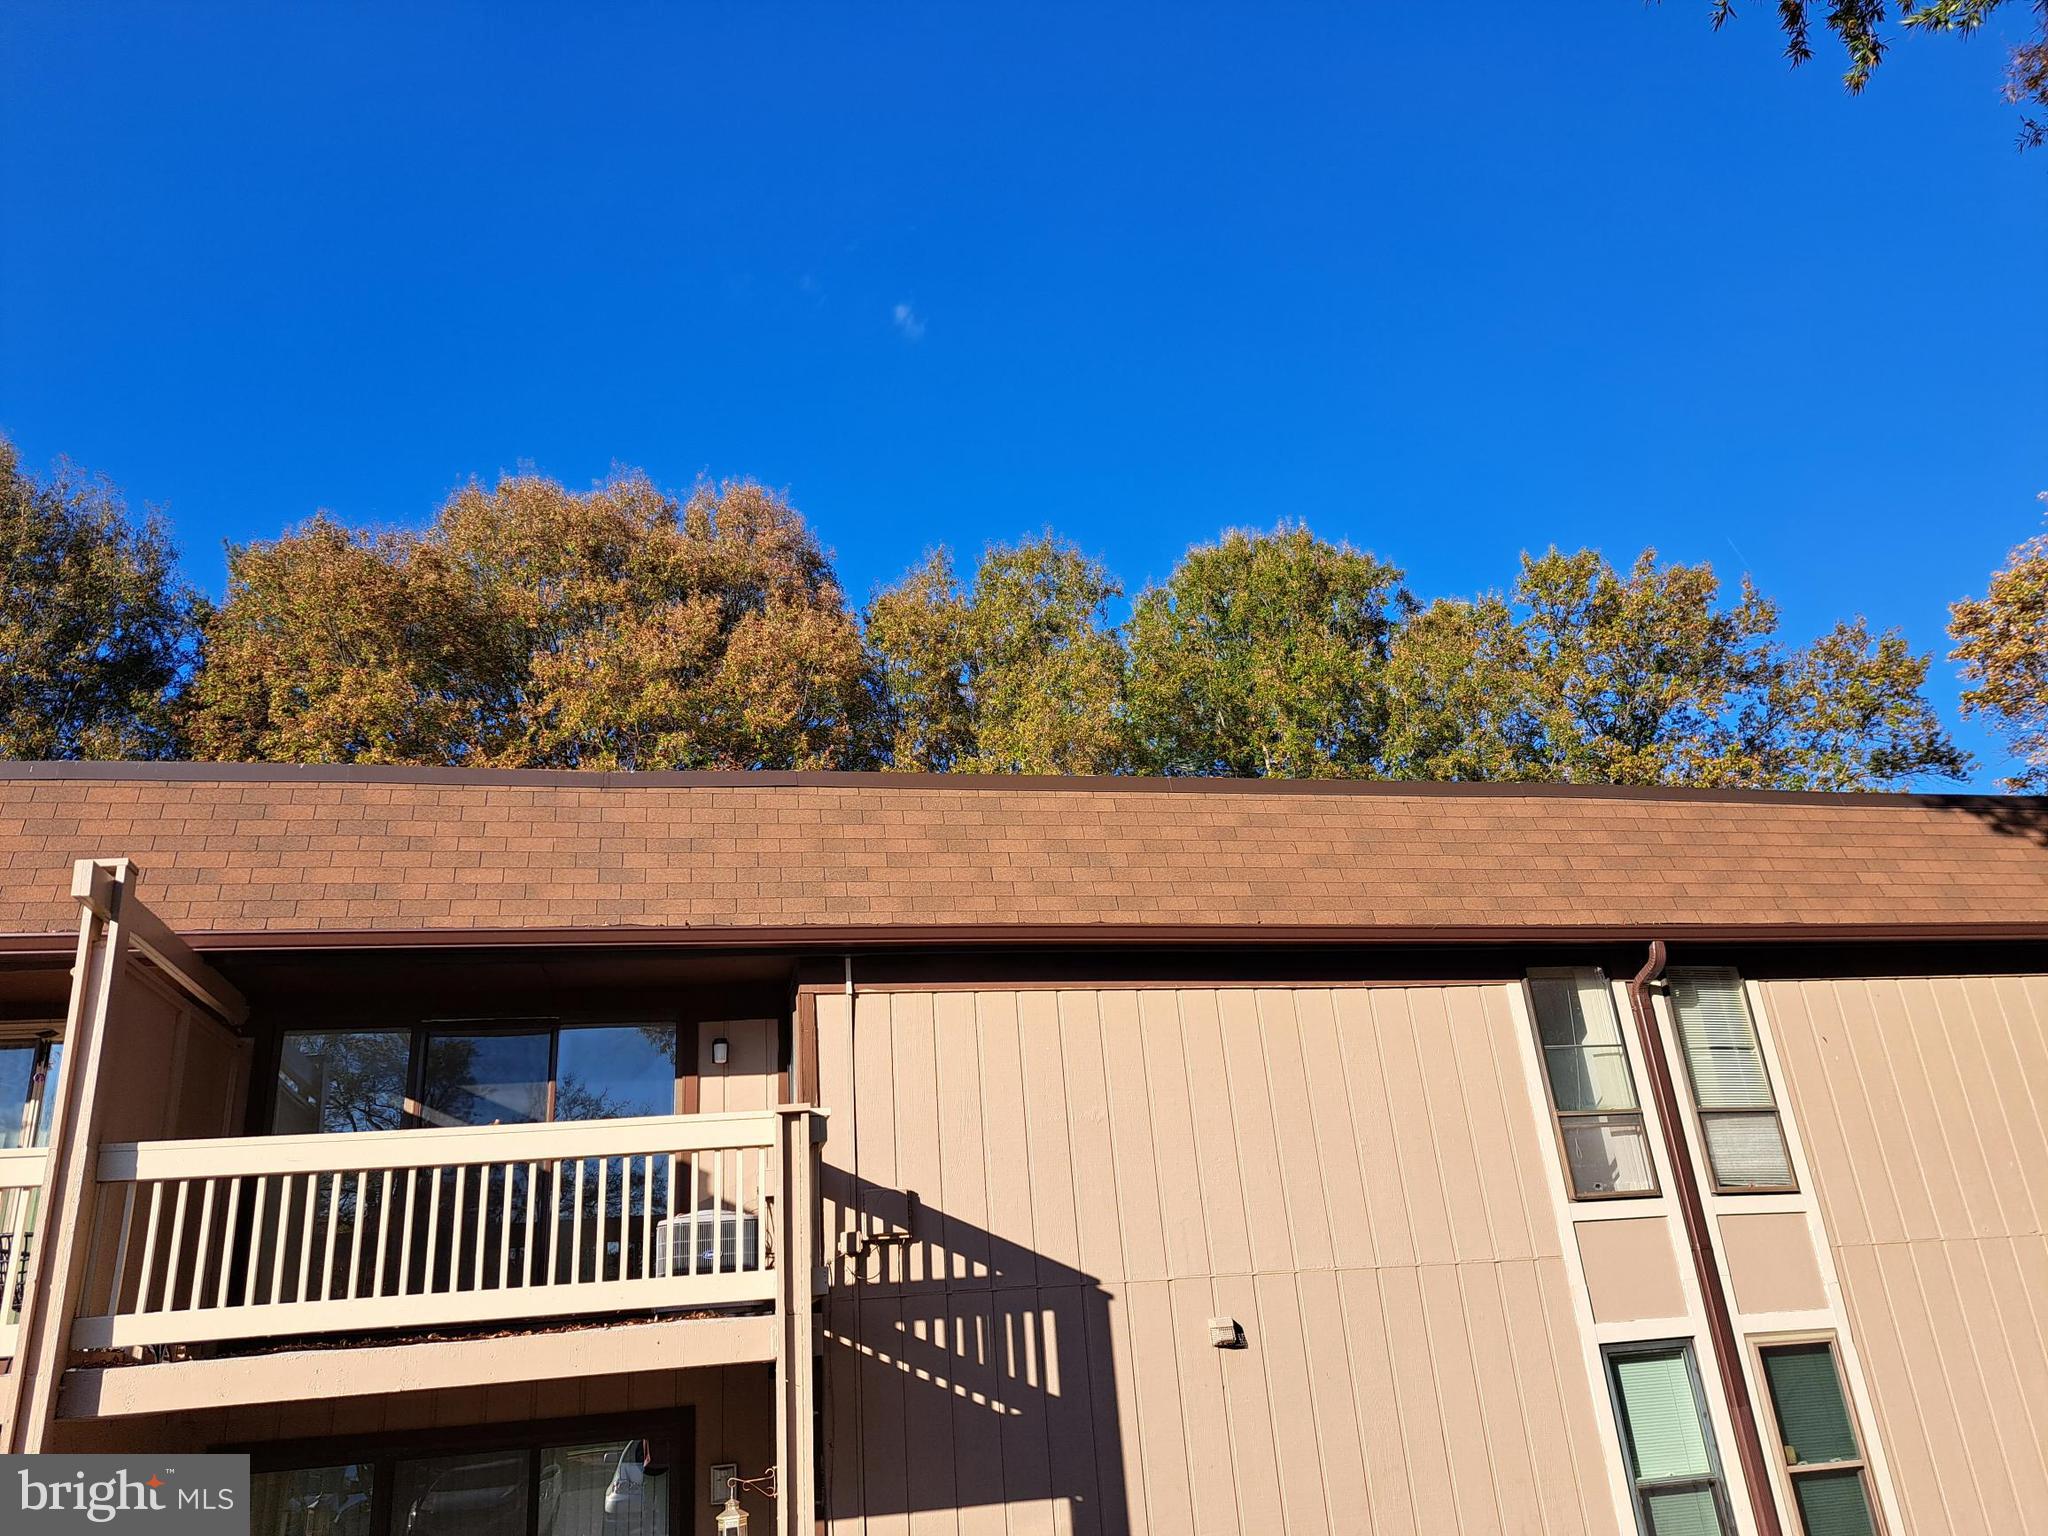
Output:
(797, 1266)
(57, 1262)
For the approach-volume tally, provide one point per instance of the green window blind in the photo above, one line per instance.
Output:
(1665, 1439)
(1834, 1503)
(1683, 1512)
(1813, 1421)
(1818, 1440)
(1670, 1449)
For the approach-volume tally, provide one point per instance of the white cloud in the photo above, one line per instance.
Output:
(909, 322)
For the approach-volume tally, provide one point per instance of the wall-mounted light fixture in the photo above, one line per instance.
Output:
(732, 1520)
(721, 1049)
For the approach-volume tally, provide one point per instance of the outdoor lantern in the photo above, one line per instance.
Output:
(721, 1050)
(732, 1517)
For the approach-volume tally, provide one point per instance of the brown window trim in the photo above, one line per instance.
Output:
(1788, 1475)
(382, 1451)
(1701, 1114)
(1559, 1116)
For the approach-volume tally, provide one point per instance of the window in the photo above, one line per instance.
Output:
(28, 1090)
(1672, 1465)
(504, 1074)
(606, 1072)
(340, 1080)
(590, 1478)
(313, 1501)
(1592, 1091)
(485, 1079)
(1730, 1085)
(1817, 1437)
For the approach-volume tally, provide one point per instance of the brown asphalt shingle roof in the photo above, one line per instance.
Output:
(289, 850)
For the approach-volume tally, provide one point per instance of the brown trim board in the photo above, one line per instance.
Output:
(836, 939)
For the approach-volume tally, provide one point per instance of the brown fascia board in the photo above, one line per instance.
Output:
(566, 778)
(816, 939)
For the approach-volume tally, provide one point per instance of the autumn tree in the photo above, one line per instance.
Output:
(340, 646)
(96, 628)
(532, 626)
(1018, 672)
(1859, 27)
(710, 634)
(1262, 656)
(2002, 642)
(1585, 675)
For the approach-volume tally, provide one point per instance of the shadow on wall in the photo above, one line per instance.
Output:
(964, 1372)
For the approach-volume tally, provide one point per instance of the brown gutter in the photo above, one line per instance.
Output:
(1749, 1446)
(837, 938)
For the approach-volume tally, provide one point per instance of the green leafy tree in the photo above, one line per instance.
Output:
(1859, 26)
(1263, 655)
(532, 626)
(1021, 672)
(96, 629)
(1584, 675)
(2002, 642)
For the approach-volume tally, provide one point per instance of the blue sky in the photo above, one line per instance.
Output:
(1450, 282)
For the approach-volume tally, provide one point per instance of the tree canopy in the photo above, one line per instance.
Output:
(532, 626)
(1585, 675)
(96, 628)
(1263, 655)
(528, 625)
(2002, 642)
(1017, 672)
(1859, 27)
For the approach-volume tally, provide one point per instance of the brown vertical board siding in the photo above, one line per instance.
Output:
(1922, 1103)
(1100, 1172)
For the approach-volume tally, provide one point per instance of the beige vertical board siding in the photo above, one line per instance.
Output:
(1247, 1402)
(1219, 1171)
(1370, 1369)
(1379, 1159)
(1920, 1102)
(1098, 1221)
(748, 1078)
(1346, 1173)
(963, 1160)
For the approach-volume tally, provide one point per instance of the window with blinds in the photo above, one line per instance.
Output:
(1731, 1087)
(1817, 1438)
(1672, 1465)
(1592, 1091)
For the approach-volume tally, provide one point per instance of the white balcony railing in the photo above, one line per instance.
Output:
(21, 1181)
(259, 1237)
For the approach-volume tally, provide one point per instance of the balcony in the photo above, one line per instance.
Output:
(204, 1245)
